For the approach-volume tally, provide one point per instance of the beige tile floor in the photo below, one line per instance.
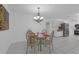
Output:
(66, 44)
(61, 45)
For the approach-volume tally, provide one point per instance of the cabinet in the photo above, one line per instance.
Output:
(66, 30)
(64, 27)
(76, 31)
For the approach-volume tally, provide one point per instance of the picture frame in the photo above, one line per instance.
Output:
(4, 18)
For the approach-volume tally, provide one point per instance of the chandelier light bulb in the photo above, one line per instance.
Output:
(38, 17)
(35, 18)
(41, 18)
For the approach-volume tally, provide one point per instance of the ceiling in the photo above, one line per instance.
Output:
(47, 10)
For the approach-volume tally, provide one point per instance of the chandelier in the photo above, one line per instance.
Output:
(38, 18)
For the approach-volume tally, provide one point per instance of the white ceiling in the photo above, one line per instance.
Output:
(47, 10)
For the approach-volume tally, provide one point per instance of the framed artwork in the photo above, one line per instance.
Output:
(4, 18)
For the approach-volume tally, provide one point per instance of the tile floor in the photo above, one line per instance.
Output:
(61, 45)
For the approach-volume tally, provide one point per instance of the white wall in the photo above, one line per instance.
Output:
(24, 22)
(18, 25)
(7, 35)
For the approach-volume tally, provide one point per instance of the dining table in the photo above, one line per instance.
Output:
(41, 40)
